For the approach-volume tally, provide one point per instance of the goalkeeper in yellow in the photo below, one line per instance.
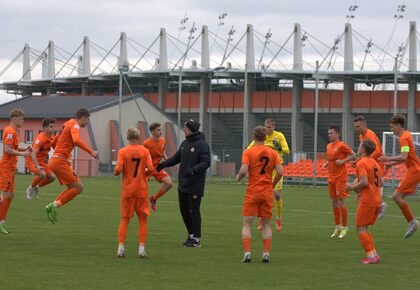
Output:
(276, 141)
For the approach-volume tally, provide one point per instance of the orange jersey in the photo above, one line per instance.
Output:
(68, 138)
(41, 144)
(132, 162)
(407, 145)
(371, 194)
(11, 138)
(370, 135)
(261, 162)
(337, 151)
(156, 149)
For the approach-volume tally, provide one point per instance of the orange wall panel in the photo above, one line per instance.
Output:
(195, 100)
(324, 101)
(238, 99)
(402, 100)
(360, 99)
(308, 99)
(259, 100)
(286, 99)
(336, 100)
(380, 100)
(171, 101)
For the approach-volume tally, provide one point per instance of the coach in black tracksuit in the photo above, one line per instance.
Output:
(194, 158)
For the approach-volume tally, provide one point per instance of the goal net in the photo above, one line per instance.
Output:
(390, 147)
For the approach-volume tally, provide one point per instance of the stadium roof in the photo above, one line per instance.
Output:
(58, 106)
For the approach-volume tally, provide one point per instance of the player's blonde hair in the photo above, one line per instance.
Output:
(260, 132)
(17, 113)
(133, 134)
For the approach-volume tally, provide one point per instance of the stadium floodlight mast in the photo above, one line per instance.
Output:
(352, 10)
(190, 37)
(121, 68)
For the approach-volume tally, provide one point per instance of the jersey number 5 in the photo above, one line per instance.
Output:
(264, 159)
(137, 160)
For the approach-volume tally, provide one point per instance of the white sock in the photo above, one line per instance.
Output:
(56, 205)
(191, 236)
(141, 248)
(121, 248)
(196, 239)
(247, 253)
(265, 253)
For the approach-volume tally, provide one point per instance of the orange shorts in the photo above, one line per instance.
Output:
(159, 175)
(336, 189)
(138, 204)
(31, 167)
(409, 183)
(260, 205)
(7, 179)
(366, 215)
(62, 169)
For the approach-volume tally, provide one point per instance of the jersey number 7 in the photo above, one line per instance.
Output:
(137, 160)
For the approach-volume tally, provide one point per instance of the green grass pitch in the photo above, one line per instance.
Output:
(79, 252)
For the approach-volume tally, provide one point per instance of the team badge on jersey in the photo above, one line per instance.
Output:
(76, 126)
(192, 149)
(9, 136)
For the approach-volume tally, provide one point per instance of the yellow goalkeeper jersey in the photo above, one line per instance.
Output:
(269, 143)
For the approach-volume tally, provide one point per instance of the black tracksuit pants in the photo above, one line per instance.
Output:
(189, 205)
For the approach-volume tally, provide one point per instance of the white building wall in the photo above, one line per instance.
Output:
(131, 115)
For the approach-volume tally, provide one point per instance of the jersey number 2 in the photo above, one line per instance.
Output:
(264, 159)
(137, 160)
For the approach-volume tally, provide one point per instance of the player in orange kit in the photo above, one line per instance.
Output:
(259, 162)
(368, 186)
(338, 154)
(409, 183)
(8, 163)
(360, 126)
(36, 163)
(156, 147)
(133, 161)
(65, 141)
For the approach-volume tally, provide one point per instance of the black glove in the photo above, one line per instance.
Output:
(189, 172)
(159, 167)
(277, 145)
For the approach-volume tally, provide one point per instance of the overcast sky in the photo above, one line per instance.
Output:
(67, 21)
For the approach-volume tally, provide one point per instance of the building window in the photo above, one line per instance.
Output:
(29, 136)
(1, 135)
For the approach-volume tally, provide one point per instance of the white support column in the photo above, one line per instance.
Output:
(163, 51)
(26, 74)
(249, 119)
(123, 59)
(205, 50)
(348, 87)
(297, 48)
(163, 66)
(44, 63)
(412, 119)
(296, 122)
(250, 55)
(86, 56)
(51, 60)
(205, 83)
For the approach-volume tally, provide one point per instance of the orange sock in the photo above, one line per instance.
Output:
(343, 211)
(405, 208)
(4, 207)
(337, 216)
(122, 230)
(142, 230)
(158, 194)
(67, 195)
(45, 181)
(35, 181)
(267, 245)
(366, 242)
(372, 243)
(247, 244)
